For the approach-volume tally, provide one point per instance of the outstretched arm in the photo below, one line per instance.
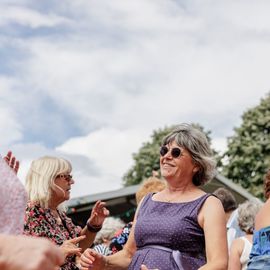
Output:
(117, 261)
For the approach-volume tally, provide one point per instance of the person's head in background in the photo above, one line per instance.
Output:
(48, 181)
(227, 199)
(110, 226)
(149, 185)
(247, 212)
(267, 185)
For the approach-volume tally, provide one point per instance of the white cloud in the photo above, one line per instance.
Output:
(220, 145)
(121, 69)
(10, 128)
(109, 150)
(28, 17)
(98, 160)
(9, 125)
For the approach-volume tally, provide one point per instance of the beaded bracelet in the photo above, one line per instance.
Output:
(92, 228)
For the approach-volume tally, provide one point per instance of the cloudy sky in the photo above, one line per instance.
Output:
(90, 80)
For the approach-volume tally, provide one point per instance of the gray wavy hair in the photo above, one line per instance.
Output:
(110, 226)
(196, 143)
(247, 212)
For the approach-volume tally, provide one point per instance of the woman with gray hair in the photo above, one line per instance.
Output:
(180, 227)
(103, 238)
(48, 184)
(241, 247)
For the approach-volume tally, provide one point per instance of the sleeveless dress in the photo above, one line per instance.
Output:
(245, 253)
(168, 236)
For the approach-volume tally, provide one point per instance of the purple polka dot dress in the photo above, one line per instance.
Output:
(168, 236)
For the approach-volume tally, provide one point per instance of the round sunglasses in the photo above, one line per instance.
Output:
(175, 152)
(67, 177)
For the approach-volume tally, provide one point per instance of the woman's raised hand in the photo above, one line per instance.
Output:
(98, 214)
(70, 247)
(12, 162)
(90, 259)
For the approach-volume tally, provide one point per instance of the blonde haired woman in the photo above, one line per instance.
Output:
(48, 184)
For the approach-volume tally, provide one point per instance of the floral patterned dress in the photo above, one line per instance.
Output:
(40, 222)
(120, 239)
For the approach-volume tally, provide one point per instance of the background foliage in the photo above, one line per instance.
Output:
(248, 156)
(245, 162)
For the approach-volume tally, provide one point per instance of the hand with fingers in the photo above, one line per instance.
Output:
(27, 253)
(98, 214)
(70, 247)
(90, 259)
(12, 162)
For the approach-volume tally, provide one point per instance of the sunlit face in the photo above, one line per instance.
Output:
(180, 167)
(61, 191)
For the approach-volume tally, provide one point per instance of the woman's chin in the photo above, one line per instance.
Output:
(166, 174)
(67, 197)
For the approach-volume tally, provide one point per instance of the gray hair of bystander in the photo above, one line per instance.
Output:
(246, 214)
(110, 226)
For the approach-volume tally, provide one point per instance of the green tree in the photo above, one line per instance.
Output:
(147, 159)
(248, 154)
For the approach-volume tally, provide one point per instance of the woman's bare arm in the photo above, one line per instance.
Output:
(235, 254)
(212, 220)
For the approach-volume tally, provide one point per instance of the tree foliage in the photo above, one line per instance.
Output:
(147, 159)
(248, 154)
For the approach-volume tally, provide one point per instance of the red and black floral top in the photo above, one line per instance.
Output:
(40, 222)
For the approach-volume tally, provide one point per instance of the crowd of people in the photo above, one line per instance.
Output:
(176, 225)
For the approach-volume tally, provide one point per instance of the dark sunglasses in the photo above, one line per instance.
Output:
(67, 177)
(175, 152)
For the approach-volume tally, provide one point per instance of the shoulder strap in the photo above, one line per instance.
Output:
(143, 202)
(201, 201)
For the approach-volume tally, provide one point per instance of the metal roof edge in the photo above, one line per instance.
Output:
(237, 188)
(130, 190)
(103, 196)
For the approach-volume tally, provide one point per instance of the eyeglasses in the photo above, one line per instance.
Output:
(67, 177)
(175, 152)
